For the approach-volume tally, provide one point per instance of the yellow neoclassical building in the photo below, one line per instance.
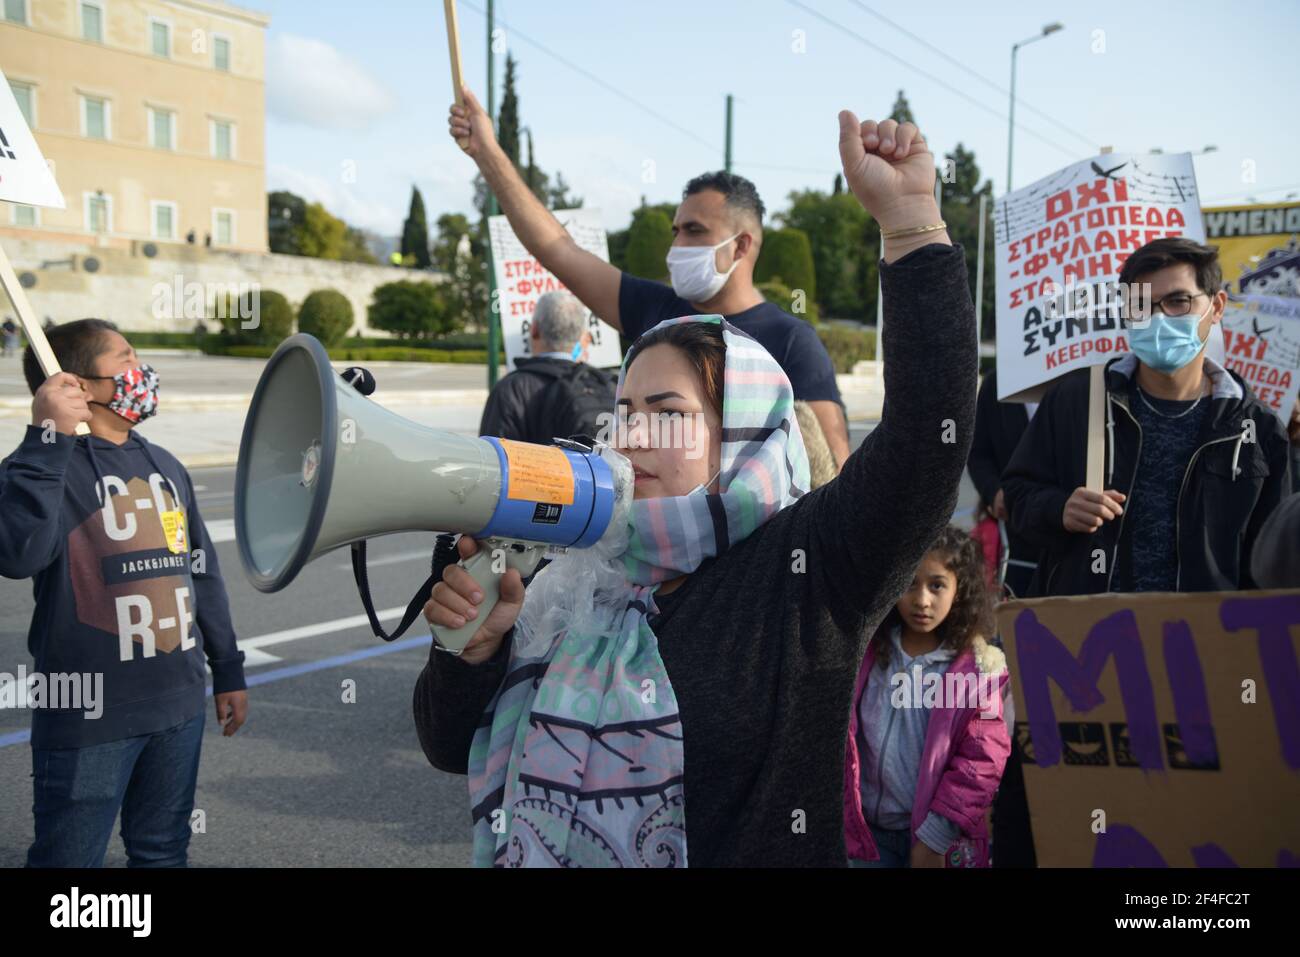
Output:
(153, 114)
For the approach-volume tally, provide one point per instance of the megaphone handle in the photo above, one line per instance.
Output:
(480, 568)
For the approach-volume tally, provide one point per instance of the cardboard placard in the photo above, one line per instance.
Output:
(25, 176)
(521, 279)
(1066, 237)
(1159, 729)
(1262, 338)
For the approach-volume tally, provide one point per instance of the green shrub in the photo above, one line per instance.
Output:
(386, 354)
(649, 237)
(270, 310)
(161, 340)
(847, 347)
(786, 256)
(411, 309)
(776, 291)
(455, 341)
(327, 315)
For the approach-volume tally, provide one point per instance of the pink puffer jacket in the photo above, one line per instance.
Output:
(961, 766)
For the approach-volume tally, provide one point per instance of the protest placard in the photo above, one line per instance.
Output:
(1259, 247)
(521, 279)
(1262, 339)
(1160, 729)
(1060, 245)
(25, 176)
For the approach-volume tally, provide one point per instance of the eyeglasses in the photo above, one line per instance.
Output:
(1173, 305)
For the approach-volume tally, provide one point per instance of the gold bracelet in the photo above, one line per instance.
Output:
(914, 231)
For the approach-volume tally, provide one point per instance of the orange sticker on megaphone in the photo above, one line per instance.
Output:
(538, 473)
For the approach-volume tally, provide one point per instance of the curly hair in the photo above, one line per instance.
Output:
(971, 614)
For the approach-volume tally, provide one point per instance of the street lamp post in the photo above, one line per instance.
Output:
(1011, 125)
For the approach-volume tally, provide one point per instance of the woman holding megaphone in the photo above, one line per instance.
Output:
(684, 698)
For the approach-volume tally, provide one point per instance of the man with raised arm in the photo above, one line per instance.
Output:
(717, 233)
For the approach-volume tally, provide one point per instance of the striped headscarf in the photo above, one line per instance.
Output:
(578, 760)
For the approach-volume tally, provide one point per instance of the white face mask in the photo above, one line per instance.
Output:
(694, 271)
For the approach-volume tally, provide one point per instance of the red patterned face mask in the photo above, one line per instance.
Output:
(136, 395)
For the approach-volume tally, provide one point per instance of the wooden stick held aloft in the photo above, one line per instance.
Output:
(453, 48)
(35, 334)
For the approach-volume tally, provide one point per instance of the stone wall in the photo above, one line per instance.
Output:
(172, 290)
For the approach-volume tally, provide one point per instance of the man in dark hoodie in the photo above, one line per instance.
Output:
(128, 590)
(1194, 465)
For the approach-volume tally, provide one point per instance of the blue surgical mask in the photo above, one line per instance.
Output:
(1167, 344)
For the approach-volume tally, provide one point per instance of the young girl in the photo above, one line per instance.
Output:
(922, 766)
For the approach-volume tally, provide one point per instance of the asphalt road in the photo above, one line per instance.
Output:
(309, 780)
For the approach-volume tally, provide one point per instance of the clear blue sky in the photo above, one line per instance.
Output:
(357, 94)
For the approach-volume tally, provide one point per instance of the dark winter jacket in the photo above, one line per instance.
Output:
(998, 429)
(1233, 481)
(524, 407)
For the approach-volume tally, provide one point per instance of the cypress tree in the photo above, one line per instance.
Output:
(415, 232)
(508, 118)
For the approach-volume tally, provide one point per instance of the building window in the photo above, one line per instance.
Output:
(223, 139)
(223, 227)
(24, 215)
(162, 129)
(92, 22)
(99, 213)
(96, 121)
(26, 97)
(160, 38)
(164, 220)
(16, 11)
(221, 53)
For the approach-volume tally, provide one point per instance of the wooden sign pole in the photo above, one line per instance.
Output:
(453, 47)
(1095, 478)
(35, 334)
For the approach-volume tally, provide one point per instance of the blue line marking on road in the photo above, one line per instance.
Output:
(280, 674)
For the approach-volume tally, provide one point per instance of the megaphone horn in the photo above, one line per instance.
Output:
(322, 466)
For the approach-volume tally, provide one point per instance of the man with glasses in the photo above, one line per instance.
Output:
(1194, 465)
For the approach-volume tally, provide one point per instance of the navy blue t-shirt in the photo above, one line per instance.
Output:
(793, 343)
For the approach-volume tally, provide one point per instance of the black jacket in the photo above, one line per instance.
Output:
(506, 414)
(1229, 489)
(998, 429)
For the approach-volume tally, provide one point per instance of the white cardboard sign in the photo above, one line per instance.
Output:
(1263, 347)
(25, 176)
(1064, 239)
(521, 279)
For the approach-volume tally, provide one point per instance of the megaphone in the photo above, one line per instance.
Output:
(321, 466)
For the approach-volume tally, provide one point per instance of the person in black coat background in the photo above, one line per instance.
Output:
(998, 428)
(524, 406)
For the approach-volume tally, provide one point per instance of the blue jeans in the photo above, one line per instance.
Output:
(150, 778)
(895, 849)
